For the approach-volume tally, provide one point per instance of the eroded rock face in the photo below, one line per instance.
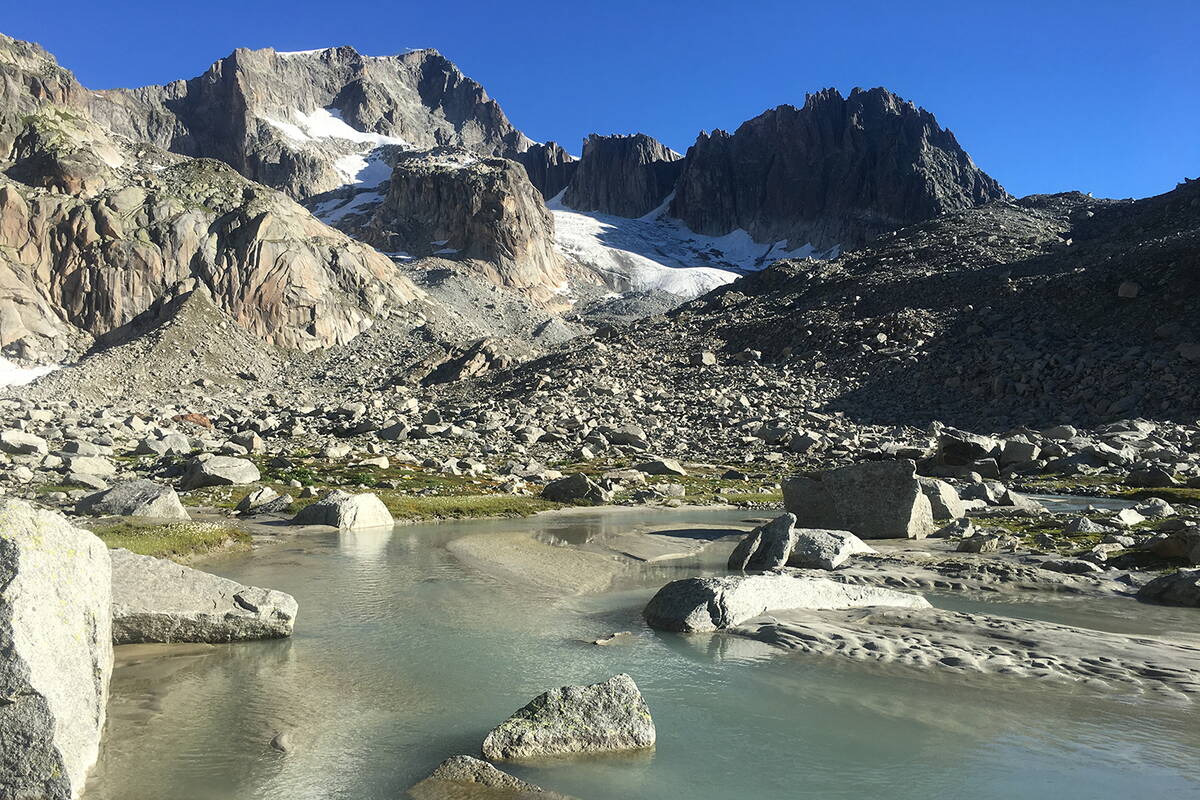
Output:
(697, 605)
(55, 652)
(447, 201)
(838, 171)
(628, 176)
(881, 500)
(603, 717)
(156, 600)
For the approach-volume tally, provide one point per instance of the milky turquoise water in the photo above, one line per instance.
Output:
(402, 657)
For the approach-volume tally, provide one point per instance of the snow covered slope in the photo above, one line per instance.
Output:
(657, 252)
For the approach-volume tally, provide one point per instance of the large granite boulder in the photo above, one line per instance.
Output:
(346, 511)
(710, 604)
(219, 471)
(818, 549)
(460, 777)
(603, 717)
(55, 652)
(22, 443)
(575, 488)
(943, 499)
(139, 498)
(1180, 588)
(877, 500)
(155, 600)
(766, 547)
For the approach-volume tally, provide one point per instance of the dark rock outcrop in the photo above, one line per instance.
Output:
(838, 171)
(628, 176)
(549, 166)
(451, 203)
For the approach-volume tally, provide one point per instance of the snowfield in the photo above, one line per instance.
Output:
(12, 375)
(364, 167)
(658, 252)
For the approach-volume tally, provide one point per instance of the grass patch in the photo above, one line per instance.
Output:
(1172, 494)
(752, 498)
(174, 540)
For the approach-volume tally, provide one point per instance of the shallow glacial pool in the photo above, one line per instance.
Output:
(402, 656)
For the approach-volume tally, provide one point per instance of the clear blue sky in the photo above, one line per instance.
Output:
(1099, 96)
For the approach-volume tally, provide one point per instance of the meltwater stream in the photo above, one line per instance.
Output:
(402, 656)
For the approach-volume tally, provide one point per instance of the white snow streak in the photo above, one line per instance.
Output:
(12, 375)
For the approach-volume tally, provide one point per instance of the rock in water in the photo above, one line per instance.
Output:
(346, 511)
(155, 600)
(468, 777)
(603, 717)
(818, 549)
(766, 547)
(710, 604)
(55, 652)
(140, 498)
(879, 500)
(219, 471)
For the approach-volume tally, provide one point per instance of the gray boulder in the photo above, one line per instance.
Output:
(878, 500)
(818, 549)
(469, 777)
(603, 717)
(1151, 478)
(155, 600)
(55, 652)
(140, 498)
(346, 511)
(574, 488)
(21, 443)
(766, 547)
(957, 447)
(710, 604)
(943, 499)
(1180, 588)
(662, 466)
(219, 471)
(90, 465)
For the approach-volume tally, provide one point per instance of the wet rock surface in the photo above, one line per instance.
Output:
(156, 600)
(604, 717)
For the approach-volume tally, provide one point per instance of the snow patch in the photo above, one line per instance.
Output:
(364, 167)
(658, 252)
(13, 375)
(332, 211)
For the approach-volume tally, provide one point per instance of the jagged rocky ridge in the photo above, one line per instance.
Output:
(274, 116)
(838, 171)
(628, 176)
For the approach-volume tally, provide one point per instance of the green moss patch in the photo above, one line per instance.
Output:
(174, 540)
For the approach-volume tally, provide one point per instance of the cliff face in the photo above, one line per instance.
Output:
(95, 228)
(309, 122)
(628, 176)
(449, 202)
(550, 167)
(837, 171)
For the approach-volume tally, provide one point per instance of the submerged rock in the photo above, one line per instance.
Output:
(346, 511)
(55, 652)
(603, 717)
(469, 777)
(140, 498)
(155, 600)
(766, 547)
(710, 604)
(880, 500)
